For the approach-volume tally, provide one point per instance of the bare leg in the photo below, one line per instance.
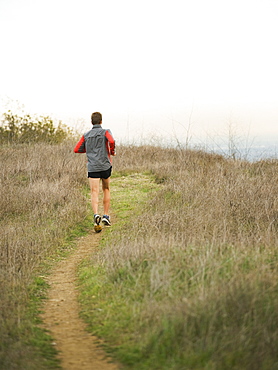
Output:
(94, 185)
(106, 195)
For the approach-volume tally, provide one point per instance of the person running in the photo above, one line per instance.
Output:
(99, 145)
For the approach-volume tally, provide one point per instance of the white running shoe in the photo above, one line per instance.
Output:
(106, 220)
(97, 226)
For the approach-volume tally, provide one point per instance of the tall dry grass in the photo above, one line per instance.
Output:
(198, 268)
(41, 200)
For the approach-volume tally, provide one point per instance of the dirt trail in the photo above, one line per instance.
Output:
(78, 350)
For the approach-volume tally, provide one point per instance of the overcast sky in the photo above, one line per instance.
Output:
(144, 63)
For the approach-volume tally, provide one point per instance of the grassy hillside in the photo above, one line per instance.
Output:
(190, 279)
(185, 278)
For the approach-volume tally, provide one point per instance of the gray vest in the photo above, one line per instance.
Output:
(96, 149)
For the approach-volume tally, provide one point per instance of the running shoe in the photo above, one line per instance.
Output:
(97, 226)
(106, 220)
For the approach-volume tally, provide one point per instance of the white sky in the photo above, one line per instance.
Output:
(145, 64)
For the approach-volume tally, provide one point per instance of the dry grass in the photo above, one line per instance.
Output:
(40, 202)
(190, 282)
(198, 267)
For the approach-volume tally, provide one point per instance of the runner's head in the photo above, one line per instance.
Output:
(96, 118)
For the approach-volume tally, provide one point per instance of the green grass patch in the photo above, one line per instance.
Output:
(106, 299)
(24, 344)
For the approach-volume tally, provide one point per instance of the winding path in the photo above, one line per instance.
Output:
(78, 349)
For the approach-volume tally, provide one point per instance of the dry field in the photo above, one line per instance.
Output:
(41, 200)
(197, 270)
(190, 282)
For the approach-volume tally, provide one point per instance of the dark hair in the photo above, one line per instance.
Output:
(96, 118)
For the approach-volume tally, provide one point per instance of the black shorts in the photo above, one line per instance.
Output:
(100, 174)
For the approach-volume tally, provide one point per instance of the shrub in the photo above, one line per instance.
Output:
(31, 129)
